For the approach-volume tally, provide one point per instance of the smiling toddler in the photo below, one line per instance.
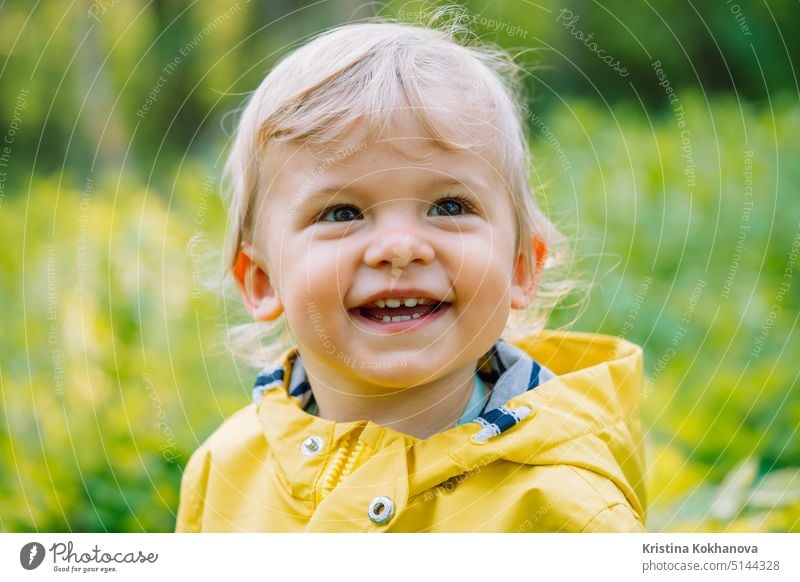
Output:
(380, 213)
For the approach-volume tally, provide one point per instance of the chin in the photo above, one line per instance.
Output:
(396, 372)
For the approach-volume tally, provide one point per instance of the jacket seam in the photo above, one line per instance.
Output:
(637, 502)
(606, 509)
(608, 503)
(592, 431)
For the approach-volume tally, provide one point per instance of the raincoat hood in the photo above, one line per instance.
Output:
(563, 456)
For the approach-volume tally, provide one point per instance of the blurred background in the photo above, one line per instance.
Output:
(666, 145)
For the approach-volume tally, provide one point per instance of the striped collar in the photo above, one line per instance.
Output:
(505, 370)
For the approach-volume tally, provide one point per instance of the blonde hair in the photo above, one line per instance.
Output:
(365, 72)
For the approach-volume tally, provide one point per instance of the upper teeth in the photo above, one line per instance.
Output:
(393, 303)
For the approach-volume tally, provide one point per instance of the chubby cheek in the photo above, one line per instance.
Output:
(484, 280)
(312, 282)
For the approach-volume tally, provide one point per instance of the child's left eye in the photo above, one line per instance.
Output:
(452, 206)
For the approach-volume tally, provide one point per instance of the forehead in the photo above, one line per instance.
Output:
(403, 154)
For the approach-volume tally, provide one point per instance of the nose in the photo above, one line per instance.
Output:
(398, 247)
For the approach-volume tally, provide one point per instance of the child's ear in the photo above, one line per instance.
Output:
(525, 281)
(259, 296)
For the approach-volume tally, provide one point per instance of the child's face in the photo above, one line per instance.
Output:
(342, 233)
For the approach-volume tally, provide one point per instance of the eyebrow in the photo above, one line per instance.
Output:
(432, 184)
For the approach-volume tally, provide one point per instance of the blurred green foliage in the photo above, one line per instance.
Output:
(113, 368)
(148, 82)
(114, 378)
(692, 269)
(118, 372)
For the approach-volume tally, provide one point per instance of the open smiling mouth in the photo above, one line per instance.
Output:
(400, 310)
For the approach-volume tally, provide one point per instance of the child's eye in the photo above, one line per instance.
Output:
(341, 213)
(452, 206)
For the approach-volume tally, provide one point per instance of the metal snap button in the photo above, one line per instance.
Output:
(381, 510)
(311, 446)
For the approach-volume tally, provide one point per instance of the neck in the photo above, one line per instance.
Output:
(421, 410)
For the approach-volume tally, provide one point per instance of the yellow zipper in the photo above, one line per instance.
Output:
(343, 463)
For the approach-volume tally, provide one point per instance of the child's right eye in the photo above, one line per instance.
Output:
(341, 213)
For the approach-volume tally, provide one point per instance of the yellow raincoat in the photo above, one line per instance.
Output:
(574, 464)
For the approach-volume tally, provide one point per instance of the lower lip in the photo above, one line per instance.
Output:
(400, 326)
